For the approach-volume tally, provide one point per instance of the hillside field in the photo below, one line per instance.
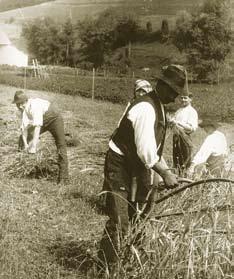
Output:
(50, 231)
(59, 10)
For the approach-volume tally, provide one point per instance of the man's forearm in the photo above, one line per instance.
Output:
(169, 178)
(161, 168)
(33, 144)
(36, 135)
(164, 163)
(187, 127)
(24, 134)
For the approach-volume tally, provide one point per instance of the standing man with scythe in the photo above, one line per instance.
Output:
(135, 148)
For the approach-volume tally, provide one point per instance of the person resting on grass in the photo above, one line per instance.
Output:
(39, 116)
(212, 155)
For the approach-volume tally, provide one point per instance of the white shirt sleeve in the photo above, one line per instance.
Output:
(187, 117)
(36, 109)
(204, 152)
(25, 121)
(143, 120)
(193, 120)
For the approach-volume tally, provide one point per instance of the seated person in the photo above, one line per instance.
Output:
(212, 155)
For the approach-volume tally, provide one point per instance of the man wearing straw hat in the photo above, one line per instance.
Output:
(184, 123)
(212, 155)
(136, 147)
(38, 116)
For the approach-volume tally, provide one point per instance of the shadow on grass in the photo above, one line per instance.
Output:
(94, 201)
(43, 172)
(74, 255)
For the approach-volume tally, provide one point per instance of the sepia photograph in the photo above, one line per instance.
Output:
(117, 146)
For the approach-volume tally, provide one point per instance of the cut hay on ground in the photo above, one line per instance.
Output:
(40, 165)
(187, 236)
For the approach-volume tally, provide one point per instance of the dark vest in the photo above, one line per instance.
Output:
(124, 138)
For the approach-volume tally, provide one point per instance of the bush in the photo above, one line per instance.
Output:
(116, 90)
(205, 36)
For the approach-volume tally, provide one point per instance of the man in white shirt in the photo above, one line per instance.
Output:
(138, 193)
(185, 122)
(38, 116)
(212, 153)
(136, 147)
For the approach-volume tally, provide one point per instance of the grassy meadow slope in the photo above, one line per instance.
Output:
(6, 5)
(49, 231)
(58, 10)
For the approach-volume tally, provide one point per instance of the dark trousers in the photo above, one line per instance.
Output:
(56, 128)
(121, 212)
(216, 165)
(182, 151)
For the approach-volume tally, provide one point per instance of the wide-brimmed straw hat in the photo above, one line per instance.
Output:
(20, 97)
(176, 77)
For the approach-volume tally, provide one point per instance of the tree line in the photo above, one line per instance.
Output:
(204, 35)
(88, 42)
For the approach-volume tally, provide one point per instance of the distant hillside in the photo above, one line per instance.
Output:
(149, 10)
(153, 10)
(6, 5)
(169, 7)
(59, 10)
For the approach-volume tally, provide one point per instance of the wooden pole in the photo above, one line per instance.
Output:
(25, 76)
(38, 69)
(129, 48)
(34, 68)
(93, 84)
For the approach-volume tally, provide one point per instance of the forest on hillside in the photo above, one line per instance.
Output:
(106, 41)
(6, 5)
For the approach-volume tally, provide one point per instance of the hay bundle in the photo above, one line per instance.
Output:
(40, 165)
